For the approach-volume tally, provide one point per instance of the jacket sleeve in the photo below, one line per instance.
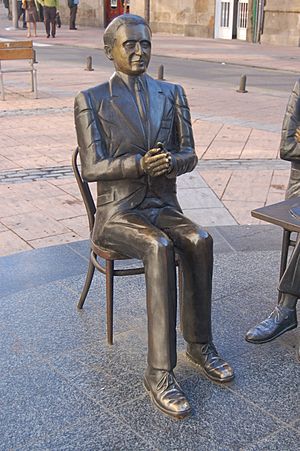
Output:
(184, 159)
(289, 146)
(95, 162)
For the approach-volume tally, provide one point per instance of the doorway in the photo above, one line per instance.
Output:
(114, 8)
(231, 19)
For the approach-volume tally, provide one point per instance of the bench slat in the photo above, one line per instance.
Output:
(6, 71)
(15, 44)
(16, 54)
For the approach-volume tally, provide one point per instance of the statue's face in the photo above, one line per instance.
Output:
(132, 49)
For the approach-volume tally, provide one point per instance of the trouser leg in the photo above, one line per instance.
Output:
(73, 12)
(195, 247)
(47, 20)
(290, 281)
(53, 21)
(53, 27)
(135, 236)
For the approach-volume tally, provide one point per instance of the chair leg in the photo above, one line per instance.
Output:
(35, 84)
(2, 85)
(109, 299)
(87, 284)
(32, 80)
(284, 254)
(180, 288)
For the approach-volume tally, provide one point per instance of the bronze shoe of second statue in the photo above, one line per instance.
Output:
(278, 322)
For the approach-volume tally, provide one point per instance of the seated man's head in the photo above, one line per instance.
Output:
(127, 42)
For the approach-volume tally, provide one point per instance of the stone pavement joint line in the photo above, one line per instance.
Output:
(35, 111)
(237, 121)
(243, 164)
(27, 175)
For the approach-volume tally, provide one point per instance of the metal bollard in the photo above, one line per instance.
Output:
(242, 87)
(89, 64)
(160, 75)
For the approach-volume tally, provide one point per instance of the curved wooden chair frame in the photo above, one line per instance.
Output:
(109, 257)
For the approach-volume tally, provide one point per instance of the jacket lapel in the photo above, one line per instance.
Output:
(156, 109)
(126, 109)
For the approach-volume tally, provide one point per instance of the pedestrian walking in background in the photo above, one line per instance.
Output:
(73, 5)
(7, 6)
(40, 11)
(21, 12)
(50, 10)
(58, 19)
(31, 15)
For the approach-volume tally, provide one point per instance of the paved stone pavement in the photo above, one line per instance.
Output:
(37, 139)
(63, 388)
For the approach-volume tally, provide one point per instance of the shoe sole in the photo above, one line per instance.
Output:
(208, 376)
(179, 416)
(258, 342)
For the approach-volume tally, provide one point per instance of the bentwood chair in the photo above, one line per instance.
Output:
(107, 256)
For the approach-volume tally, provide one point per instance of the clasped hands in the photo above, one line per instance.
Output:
(157, 161)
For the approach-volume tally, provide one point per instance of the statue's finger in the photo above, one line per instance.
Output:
(158, 173)
(157, 164)
(160, 168)
(158, 157)
(154, 151)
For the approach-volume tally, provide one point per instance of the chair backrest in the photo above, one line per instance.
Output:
(16, 50)
(84, 190)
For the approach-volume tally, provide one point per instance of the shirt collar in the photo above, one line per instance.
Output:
(130, 79)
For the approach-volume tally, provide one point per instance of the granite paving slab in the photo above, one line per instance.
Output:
(63, 387)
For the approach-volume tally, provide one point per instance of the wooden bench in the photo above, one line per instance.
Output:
(18, 50)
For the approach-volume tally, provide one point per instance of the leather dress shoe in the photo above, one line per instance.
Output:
(280, 321)
(206, 357)
(166, 394)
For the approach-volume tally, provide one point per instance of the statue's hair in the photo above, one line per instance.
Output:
(125, 19)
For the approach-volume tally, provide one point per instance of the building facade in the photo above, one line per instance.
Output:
(282, 22)
(266, 21)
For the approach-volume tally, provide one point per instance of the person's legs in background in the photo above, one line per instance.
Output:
(73, 12)
(50, 19)
(47, 20)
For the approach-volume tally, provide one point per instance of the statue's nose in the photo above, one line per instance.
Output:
(138, 48)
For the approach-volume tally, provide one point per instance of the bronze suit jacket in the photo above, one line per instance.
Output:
(112, 139)
(289, 146)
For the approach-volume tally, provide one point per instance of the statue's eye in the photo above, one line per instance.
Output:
(130, 45)
(145, 45)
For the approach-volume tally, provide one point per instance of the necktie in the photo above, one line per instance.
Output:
(140, 96)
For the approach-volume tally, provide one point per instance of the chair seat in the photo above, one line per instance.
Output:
(109, 254)
(105, 253)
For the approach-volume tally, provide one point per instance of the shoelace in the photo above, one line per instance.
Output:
(208, 349)
(277, 314)
(166, 381)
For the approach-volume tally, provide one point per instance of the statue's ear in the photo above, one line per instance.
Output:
(108, 52)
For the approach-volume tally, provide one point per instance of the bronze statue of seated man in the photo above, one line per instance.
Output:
(135, 137)
(284, 317)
